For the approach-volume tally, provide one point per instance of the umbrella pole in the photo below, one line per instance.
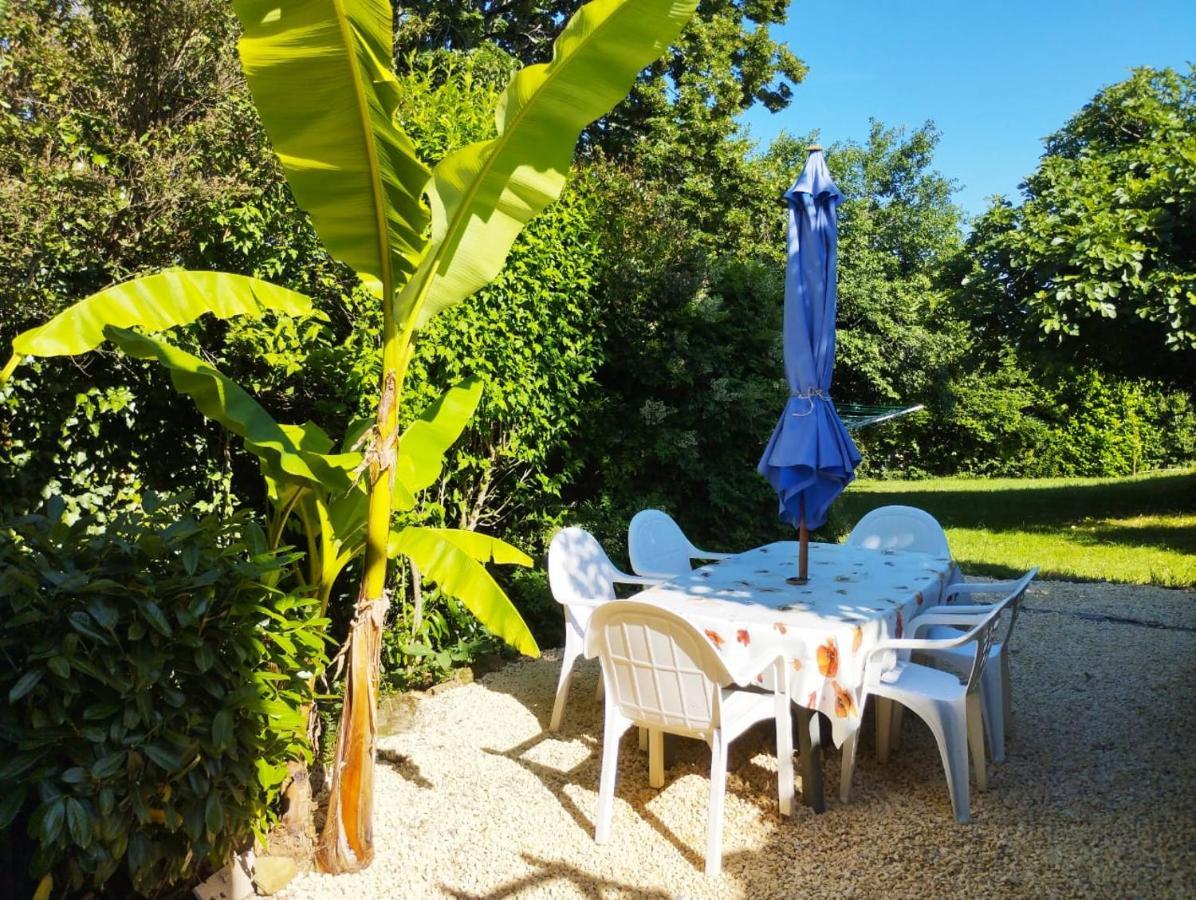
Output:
(803, 548)
(803, 552)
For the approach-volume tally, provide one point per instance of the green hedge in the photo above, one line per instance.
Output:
(153, 689)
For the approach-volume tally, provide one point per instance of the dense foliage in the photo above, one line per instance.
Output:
(155, 688)
(1099, 258)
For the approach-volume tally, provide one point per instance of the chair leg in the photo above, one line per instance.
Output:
(784, 753)
(992, 696)
(718, 789)
(948, 723)
(600, 690)
(643, 739)
(975, 717)
(612, 731)
(847, 765)
(884, 726)
(568, 658)
(1006, 689)
(895, 727)
(655, 758)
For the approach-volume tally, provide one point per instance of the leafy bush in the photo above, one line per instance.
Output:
(155, 687)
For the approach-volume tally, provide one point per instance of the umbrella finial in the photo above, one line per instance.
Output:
(814, 148)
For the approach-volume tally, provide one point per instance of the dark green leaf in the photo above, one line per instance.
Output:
(214, 813)
(25, 684)
(222, 729)
(52, 819)
(78, 822)
(164, 757)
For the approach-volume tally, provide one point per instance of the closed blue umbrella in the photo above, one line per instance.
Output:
(810, 457)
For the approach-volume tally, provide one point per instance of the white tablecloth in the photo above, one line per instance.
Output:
(824, 629)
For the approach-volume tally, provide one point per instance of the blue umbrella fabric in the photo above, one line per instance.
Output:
(810, 457)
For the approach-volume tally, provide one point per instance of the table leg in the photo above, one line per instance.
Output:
(809, 746)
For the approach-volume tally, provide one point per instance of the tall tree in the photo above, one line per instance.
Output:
(1099, 258)
(724, 62)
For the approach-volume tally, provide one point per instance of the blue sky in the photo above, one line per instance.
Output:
(995, 78)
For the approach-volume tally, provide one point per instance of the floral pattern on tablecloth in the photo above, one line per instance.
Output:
(825, 629)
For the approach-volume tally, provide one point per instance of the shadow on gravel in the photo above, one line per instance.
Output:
(549, 871)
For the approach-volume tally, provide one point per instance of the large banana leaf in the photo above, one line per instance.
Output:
(423, 445)
(483, 194)
(320, 74)
(224, 401)
(451, 560)
(153, 303)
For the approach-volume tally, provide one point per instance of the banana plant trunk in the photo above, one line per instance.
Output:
(347, 843)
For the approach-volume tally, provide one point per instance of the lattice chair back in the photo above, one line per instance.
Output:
(1015, 604)
(659, 669)
(657, 545)
(900, 528)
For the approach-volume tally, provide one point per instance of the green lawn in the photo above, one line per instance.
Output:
(1140, 530)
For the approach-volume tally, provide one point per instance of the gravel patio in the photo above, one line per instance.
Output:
(1097, 798)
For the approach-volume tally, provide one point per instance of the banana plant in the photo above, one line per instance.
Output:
(421, 240)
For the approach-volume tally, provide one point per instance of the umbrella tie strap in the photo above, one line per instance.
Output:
(809, 396)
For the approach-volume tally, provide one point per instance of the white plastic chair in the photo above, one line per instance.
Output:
(896, 528)
(995, 685)
(951, 709)
(663, 674)
(900, 528)
(581, 577)
(658, 547)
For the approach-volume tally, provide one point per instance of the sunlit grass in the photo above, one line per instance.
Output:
(1140, 530)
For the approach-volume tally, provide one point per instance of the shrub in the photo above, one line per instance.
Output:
(154, 688)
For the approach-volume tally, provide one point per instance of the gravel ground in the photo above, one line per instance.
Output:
(1097, 797)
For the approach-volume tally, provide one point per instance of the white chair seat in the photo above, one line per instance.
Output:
(934, 684)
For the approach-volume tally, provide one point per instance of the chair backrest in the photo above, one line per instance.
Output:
(900, 528)
(657, 545)
(657, 667)
(1015, 603)
(578, 568)
(988, 631)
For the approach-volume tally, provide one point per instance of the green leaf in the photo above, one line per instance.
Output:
(223, 401)
(78, 822)
(153, 303)
(483, 194)
(320, 74)
(60, 666)
(163, 757)
(222, 729)
(214, 813)
(82, 623)
(107, 766)
(52, 820)
(205, 657)
(25, 684)
(154, 615)
(423, 445)
(440, 558)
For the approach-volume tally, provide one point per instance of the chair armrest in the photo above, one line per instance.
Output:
(963, 615)
(709, 554)
(979, 587)
(586, 602)
(647, 580)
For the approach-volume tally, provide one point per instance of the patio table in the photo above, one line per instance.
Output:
(824, 629)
